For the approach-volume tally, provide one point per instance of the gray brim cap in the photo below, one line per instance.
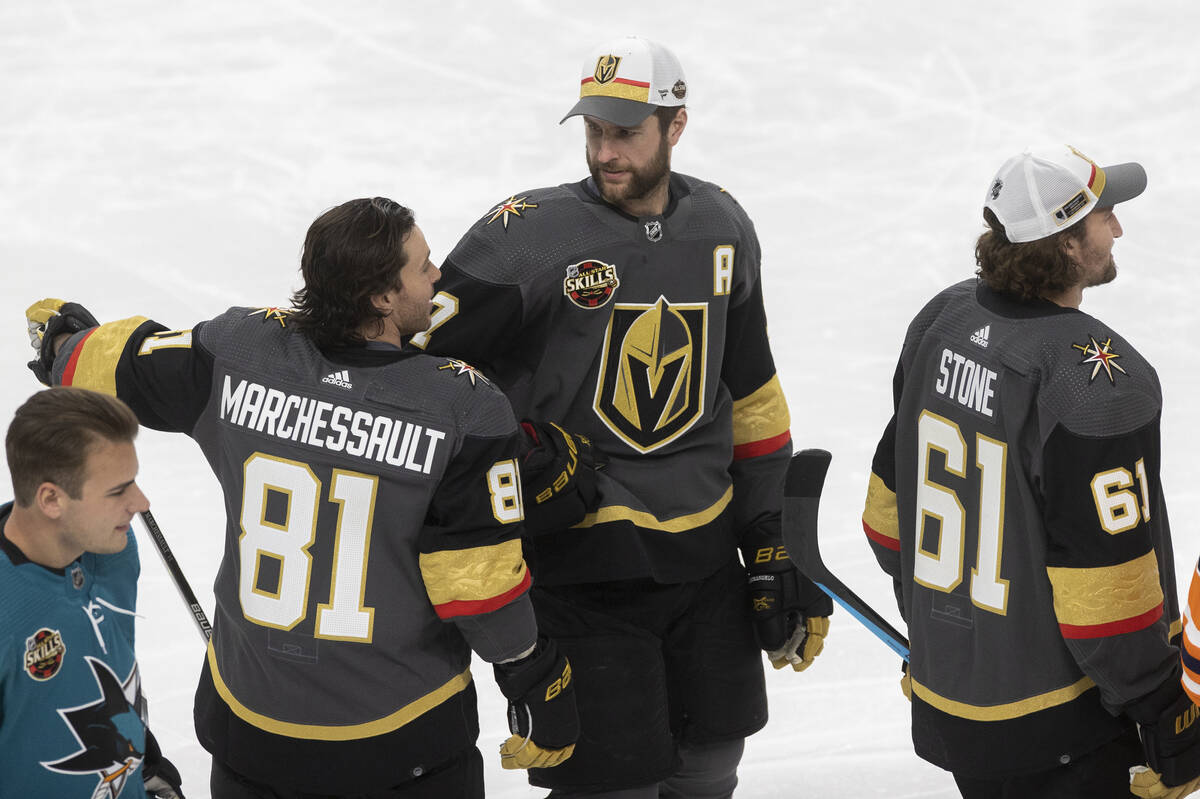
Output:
(1122, 182)
(625, 113)
(623, 81)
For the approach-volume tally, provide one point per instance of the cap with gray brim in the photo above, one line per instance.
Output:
(1038, 193)
(624, 81)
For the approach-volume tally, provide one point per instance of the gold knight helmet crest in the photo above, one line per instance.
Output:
(606, 68)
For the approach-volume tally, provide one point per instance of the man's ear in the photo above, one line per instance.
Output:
(49, 498)
(675, 129)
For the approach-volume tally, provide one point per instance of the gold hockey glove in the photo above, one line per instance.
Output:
(1169, 725)
(46, 320)
(541, 708)
(791, 614)
(1147, 783)
(558, 477)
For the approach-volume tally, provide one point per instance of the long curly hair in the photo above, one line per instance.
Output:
(1030, 269)
(351, 253)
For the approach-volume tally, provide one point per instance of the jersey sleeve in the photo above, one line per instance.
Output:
(762, 439)
(1191, 639)
(163, 375)
(470, 549)
(1104, 513)
(881, 520)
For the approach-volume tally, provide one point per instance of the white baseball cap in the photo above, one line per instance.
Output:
(623, 81)
(1044, 190)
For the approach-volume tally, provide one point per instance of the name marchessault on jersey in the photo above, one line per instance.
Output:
(337, 428)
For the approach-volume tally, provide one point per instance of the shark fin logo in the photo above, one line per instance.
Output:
(110, 733)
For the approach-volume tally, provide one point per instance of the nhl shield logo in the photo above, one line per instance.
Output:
(44, 652)
(606, 68)
(651, 384)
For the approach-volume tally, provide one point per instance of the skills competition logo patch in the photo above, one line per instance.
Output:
(1100, 356)
(44, 652)
(590, 284)
(108, 732)
(510, 207)
(650, 389)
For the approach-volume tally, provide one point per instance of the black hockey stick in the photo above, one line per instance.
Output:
(181, 583)
(801, 497)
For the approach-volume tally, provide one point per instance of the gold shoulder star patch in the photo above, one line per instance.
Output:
(278, 314)
(510, 207)
(464, 368)
(1100, 356)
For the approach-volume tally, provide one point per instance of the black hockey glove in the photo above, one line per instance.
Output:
(541, 708)
(791, 614)
(159, 776)
(558, 478)
(48, 319)
(1171, 743)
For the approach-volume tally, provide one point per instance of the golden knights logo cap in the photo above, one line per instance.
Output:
(623, 81)
(1042, 191)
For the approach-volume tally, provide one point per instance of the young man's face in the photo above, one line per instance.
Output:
(411, 305)
(1093, 252)
(628, 164)
(98, 520)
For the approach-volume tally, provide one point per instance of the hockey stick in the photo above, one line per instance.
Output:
(801, 496)
(181, 583)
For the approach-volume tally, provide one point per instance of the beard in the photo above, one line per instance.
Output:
(1107, 274)
(642, 181)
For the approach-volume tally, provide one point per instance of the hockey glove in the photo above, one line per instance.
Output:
(1172, 747)
(159, 776)
(47, 319)
(541, 709)
(791, 614)
(1148, 784)
(558, 478)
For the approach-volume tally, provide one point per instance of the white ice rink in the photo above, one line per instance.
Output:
(166, 158)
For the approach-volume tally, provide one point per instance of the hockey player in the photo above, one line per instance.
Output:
(72, 716)
(628, 307)
(374, 513)
(1015, 500)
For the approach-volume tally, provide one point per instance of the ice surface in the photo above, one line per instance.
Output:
(166, 159)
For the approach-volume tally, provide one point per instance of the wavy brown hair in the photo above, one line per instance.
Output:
(352, 252)
(1029, 269)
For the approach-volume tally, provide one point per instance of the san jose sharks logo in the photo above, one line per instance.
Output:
(110, 733)
(650, 389)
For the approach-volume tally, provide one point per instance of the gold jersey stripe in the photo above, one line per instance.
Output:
(880, 511)
(94, 363)
(1007, 710)
(474, 574)
(1106, 594)
(761, 415)
(678, 524)
(625, 89)
(341, 732)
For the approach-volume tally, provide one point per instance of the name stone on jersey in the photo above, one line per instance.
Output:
(323, 424)
(966, 382)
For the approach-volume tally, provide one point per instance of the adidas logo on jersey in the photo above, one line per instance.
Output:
(980, 336)
(340, 379)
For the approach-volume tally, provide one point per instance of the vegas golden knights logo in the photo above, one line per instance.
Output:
(652, 374)
(606, 68)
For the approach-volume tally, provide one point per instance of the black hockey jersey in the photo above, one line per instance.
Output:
(1015, 498)
(371, 496)
(648, 335)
